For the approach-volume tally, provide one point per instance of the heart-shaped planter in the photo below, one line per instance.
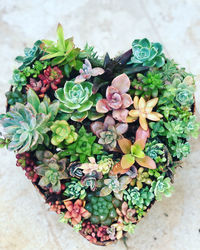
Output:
(99, 138)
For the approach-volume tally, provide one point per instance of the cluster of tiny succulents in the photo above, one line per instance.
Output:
(99, 138)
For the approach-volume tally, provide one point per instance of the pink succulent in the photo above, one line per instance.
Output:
(109, 132)
(87, 71)
(116, 98)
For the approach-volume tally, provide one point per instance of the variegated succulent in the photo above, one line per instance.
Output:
(52, 170)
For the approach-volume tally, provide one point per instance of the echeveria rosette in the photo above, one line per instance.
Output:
(52, 170)
(25, 128)
(77, 99)
(115, 185)
(117, 100)
(156, 150)
(63, 132)
(30, 55)
(140, 198)
(147, 54)
(185, 95)
(162, 186)
(74, 190)
(108, 132)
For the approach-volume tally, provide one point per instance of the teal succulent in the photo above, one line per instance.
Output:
(161, 187)
(18, 80)
(77, 99)
(83, 147)
(156, 150)
(184, 95)
(30, 55)
(52, 170)
(15, 96)
(147, 54)
(147, 86)
(180, 149)
(74, 190)
(27, 125)
(141, 198)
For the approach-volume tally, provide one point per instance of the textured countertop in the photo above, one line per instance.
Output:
(25, 222)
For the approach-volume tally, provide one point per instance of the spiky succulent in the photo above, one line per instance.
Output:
(74, 189)
(77, 99)
(180, 149)
(63, 132)
(147, 86)
(83, 147)
(52, 170)
(141, 198)
(30, 55)
(161, 187)
(147, 54)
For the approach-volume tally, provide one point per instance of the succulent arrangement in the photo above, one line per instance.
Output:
(100, 138)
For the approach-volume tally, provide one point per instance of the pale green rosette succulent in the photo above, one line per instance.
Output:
(77, 99)
(147, 54)
(162, 187)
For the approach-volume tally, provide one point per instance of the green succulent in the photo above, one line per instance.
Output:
(52, 170)
(180, 149)
(129, 227)
(63, 132)
(161, 186)
(147, 54)
(141, 198)
(74, 190)
(192, 127)
(83, 147)
(170, 71)
(147, 86)
(35, 69)
(140, 212)
(18, 80)
(15, 96)
(175, 130)
(156, 150)
(105, 164)
(184, 95)
(157, 128)
(30, 55)
(89, 53)
(115, 185)
(142, 177)
(26, 126)
(62, 53)
(102, 208)
(77, 99)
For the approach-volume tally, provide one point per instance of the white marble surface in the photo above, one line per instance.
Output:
(110, 25)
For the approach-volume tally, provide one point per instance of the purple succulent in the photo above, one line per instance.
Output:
(116, 98)
(87, 72)
(109, 132)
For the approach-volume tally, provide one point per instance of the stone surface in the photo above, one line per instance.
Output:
(25, 222)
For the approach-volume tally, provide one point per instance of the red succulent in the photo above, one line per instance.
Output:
(57, 206)
(76, 211)
(116, 98)
(51, 77)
